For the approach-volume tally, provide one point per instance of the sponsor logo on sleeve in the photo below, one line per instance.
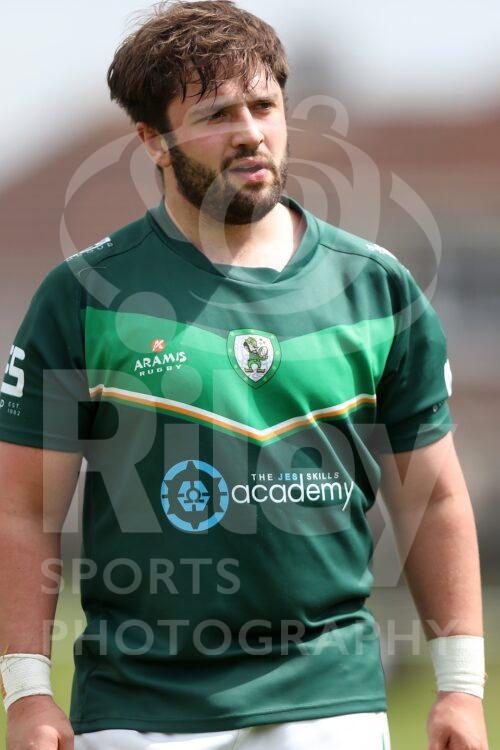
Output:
(14, 373)
(448, 377)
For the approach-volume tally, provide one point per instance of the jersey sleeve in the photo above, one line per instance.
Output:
(412, 395)
(44, 398)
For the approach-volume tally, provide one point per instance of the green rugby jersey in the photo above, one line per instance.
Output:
(231, 419)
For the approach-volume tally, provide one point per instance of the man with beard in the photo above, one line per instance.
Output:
(289, 656)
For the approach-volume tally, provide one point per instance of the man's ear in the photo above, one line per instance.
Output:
(155, 144)
(163, 143)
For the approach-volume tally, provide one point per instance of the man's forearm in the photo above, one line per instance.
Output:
(442, 567)
(28, 598)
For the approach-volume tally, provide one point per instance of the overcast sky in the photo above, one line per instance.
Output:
(441, 56)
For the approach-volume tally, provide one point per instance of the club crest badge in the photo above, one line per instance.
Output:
(254, 355)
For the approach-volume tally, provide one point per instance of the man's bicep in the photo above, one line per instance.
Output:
(412, 479)
(37, 483)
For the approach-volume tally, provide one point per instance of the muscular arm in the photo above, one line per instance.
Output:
(434, 525)
(433, 521)
(36, 488)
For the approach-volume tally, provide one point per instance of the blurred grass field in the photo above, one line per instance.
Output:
(410, 689)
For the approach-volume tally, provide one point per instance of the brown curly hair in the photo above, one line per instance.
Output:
(183, 41)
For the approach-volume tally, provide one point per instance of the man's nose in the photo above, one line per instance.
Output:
(247, 130)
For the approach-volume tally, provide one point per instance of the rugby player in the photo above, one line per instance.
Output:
(241, 376)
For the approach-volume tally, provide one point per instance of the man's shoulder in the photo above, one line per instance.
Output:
(340, 241)
(118, 242)
(67, 278)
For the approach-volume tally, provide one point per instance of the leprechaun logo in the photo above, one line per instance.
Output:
(254, 355)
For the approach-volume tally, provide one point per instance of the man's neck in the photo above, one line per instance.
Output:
(269, 242)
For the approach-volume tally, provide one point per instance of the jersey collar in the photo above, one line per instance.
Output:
(177, 241)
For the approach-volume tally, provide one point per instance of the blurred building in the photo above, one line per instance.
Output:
(447, 171)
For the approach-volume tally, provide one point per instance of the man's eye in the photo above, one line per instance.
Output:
(217, 115)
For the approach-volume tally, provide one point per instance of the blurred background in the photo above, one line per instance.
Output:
(394, 132)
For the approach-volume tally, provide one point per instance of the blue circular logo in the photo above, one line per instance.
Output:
(194, 496)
